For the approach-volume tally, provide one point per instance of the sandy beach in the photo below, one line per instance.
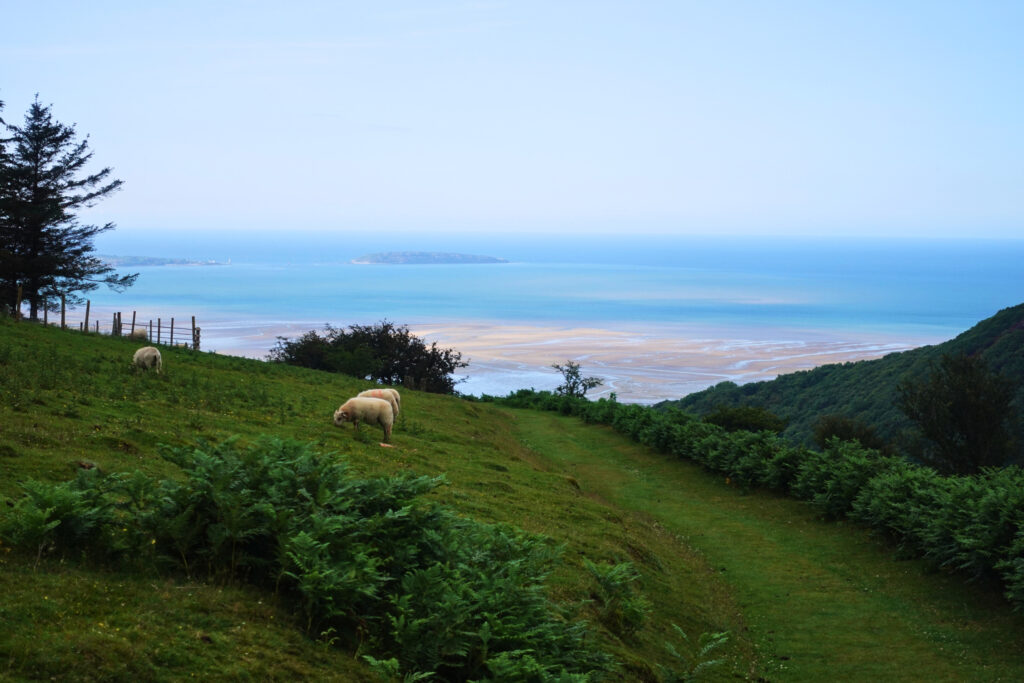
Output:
(640, 366)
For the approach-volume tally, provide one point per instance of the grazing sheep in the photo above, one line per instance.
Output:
(370, 410)
(138, 333)
(147, 357)
(389, 395)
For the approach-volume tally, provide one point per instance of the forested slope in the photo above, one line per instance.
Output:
(866, 390)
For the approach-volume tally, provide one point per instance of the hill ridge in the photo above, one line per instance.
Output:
(866, 390)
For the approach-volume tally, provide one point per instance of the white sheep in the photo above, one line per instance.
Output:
(370, 410)
(147, 357)
(138, 333)
(389, 395)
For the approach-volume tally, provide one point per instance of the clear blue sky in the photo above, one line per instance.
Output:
(827, 118)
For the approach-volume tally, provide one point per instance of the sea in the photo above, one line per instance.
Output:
(901, 292)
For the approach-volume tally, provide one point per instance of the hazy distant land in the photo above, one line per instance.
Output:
(132, 261)
(423, 257)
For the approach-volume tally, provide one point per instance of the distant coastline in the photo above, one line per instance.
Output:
(423, 257)
(133, 261)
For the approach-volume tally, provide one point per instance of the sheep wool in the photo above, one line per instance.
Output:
(374, 411)
(389, 395)
(148, 357)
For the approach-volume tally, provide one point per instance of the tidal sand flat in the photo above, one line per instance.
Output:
(646, 366)
(640, 366)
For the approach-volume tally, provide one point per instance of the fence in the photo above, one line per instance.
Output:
(160, 331)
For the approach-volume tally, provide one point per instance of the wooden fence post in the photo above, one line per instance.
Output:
(87, 302)
(97, 327)
(62, 310)
(195, 345)
(172, 332)
(158, 330)
(17, 304)
(46, 320)
(150, 335)
(133, 321)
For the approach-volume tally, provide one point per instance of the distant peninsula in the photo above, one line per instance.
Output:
(423, 257)
(132, 261)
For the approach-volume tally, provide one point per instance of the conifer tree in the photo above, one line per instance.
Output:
(43, 185)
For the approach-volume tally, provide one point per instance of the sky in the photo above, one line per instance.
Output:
(889, 118)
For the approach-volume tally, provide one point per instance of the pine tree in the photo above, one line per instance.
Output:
(43, 184)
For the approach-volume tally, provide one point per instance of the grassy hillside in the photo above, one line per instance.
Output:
(866, 390)
(801, 600)
(69, 401)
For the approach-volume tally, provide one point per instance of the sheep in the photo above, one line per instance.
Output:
(138, 333)
(147, 357)
(389, 395)
(370, 410)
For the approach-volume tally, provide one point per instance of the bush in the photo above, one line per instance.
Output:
(1011, 570)
(620, 606)
(848, 429)
(432, 591)
(745, 418)
(385, 353)
(833, 479)
(900, 502)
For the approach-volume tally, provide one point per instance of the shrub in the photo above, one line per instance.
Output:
(900, 501)
(696, 658)
(832, 480)
(973, 524)
(385, 353)
(1011, 570)
(783, 466)
(847, 429)
(620, 606)
(745, 418)
(437, 593)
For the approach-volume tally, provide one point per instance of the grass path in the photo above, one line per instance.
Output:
(823, 601)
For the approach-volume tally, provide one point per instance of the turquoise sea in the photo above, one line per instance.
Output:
(922, 291)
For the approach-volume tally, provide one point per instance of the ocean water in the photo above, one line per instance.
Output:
(919, 290)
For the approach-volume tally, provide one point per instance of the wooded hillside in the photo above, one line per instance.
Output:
(866, 391)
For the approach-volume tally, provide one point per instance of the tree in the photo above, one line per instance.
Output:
(43, 184)
(964, 411)
(745, 418)
(575, 385)
(848, 429)
(385, 353)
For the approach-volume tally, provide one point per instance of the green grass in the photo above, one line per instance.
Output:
(823, 601)
(802, 599)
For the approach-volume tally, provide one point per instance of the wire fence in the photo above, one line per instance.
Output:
(166, 331)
